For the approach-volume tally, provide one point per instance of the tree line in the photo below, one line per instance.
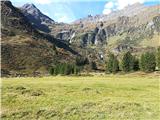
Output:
(68, 68)
(146, 63)
(65, 69)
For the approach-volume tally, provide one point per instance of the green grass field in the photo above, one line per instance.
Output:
(112, 97)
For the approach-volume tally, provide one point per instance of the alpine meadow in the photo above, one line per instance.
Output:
(80, 60)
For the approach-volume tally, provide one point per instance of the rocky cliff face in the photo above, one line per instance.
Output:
(37, 18)
(135, 29)
(130, 27)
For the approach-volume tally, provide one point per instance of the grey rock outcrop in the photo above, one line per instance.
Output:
(37, 18)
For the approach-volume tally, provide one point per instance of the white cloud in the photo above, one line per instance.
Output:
(107, 11)
(123, 3)
(109, 5)
(64, 19)
(108, 8)
(64, 15)
(120, 4)
(43, 1)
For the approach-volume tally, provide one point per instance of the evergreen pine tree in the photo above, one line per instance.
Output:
(158, 58)
(115, 66)
(109, 65)
(112, 65)
(148, 62)
(135, 64)
(127, 62)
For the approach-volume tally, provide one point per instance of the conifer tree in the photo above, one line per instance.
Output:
(148, 62)
(115, 67)
(127, 62)
(135, 64)
(158, 58)
(112, 65)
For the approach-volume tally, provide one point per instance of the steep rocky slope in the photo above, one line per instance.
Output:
(134, 28)
(25, 51)
(36, 17)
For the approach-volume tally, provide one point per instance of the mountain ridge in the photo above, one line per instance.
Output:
(26, 51)
(36, 17)
(128, 11)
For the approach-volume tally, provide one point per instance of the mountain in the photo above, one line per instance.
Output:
(129, 11)
(30, 50)
(24, 50)
(136, 27)
(36, 17)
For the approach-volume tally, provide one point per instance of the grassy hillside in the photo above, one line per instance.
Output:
(26, 51)
(75, 98)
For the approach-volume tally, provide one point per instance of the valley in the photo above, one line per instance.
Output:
(99, 67)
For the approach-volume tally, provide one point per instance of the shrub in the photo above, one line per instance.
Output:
(81, 61)
(93, 65)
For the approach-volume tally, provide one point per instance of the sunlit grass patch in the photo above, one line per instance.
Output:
(113, 97)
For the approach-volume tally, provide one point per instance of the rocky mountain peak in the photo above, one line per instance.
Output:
(31, 8)
(6, 2)
(36, 17)
(29, 5)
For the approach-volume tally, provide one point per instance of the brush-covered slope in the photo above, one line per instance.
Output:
(25, 51)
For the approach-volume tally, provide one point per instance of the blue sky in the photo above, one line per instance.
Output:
(69, 10)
